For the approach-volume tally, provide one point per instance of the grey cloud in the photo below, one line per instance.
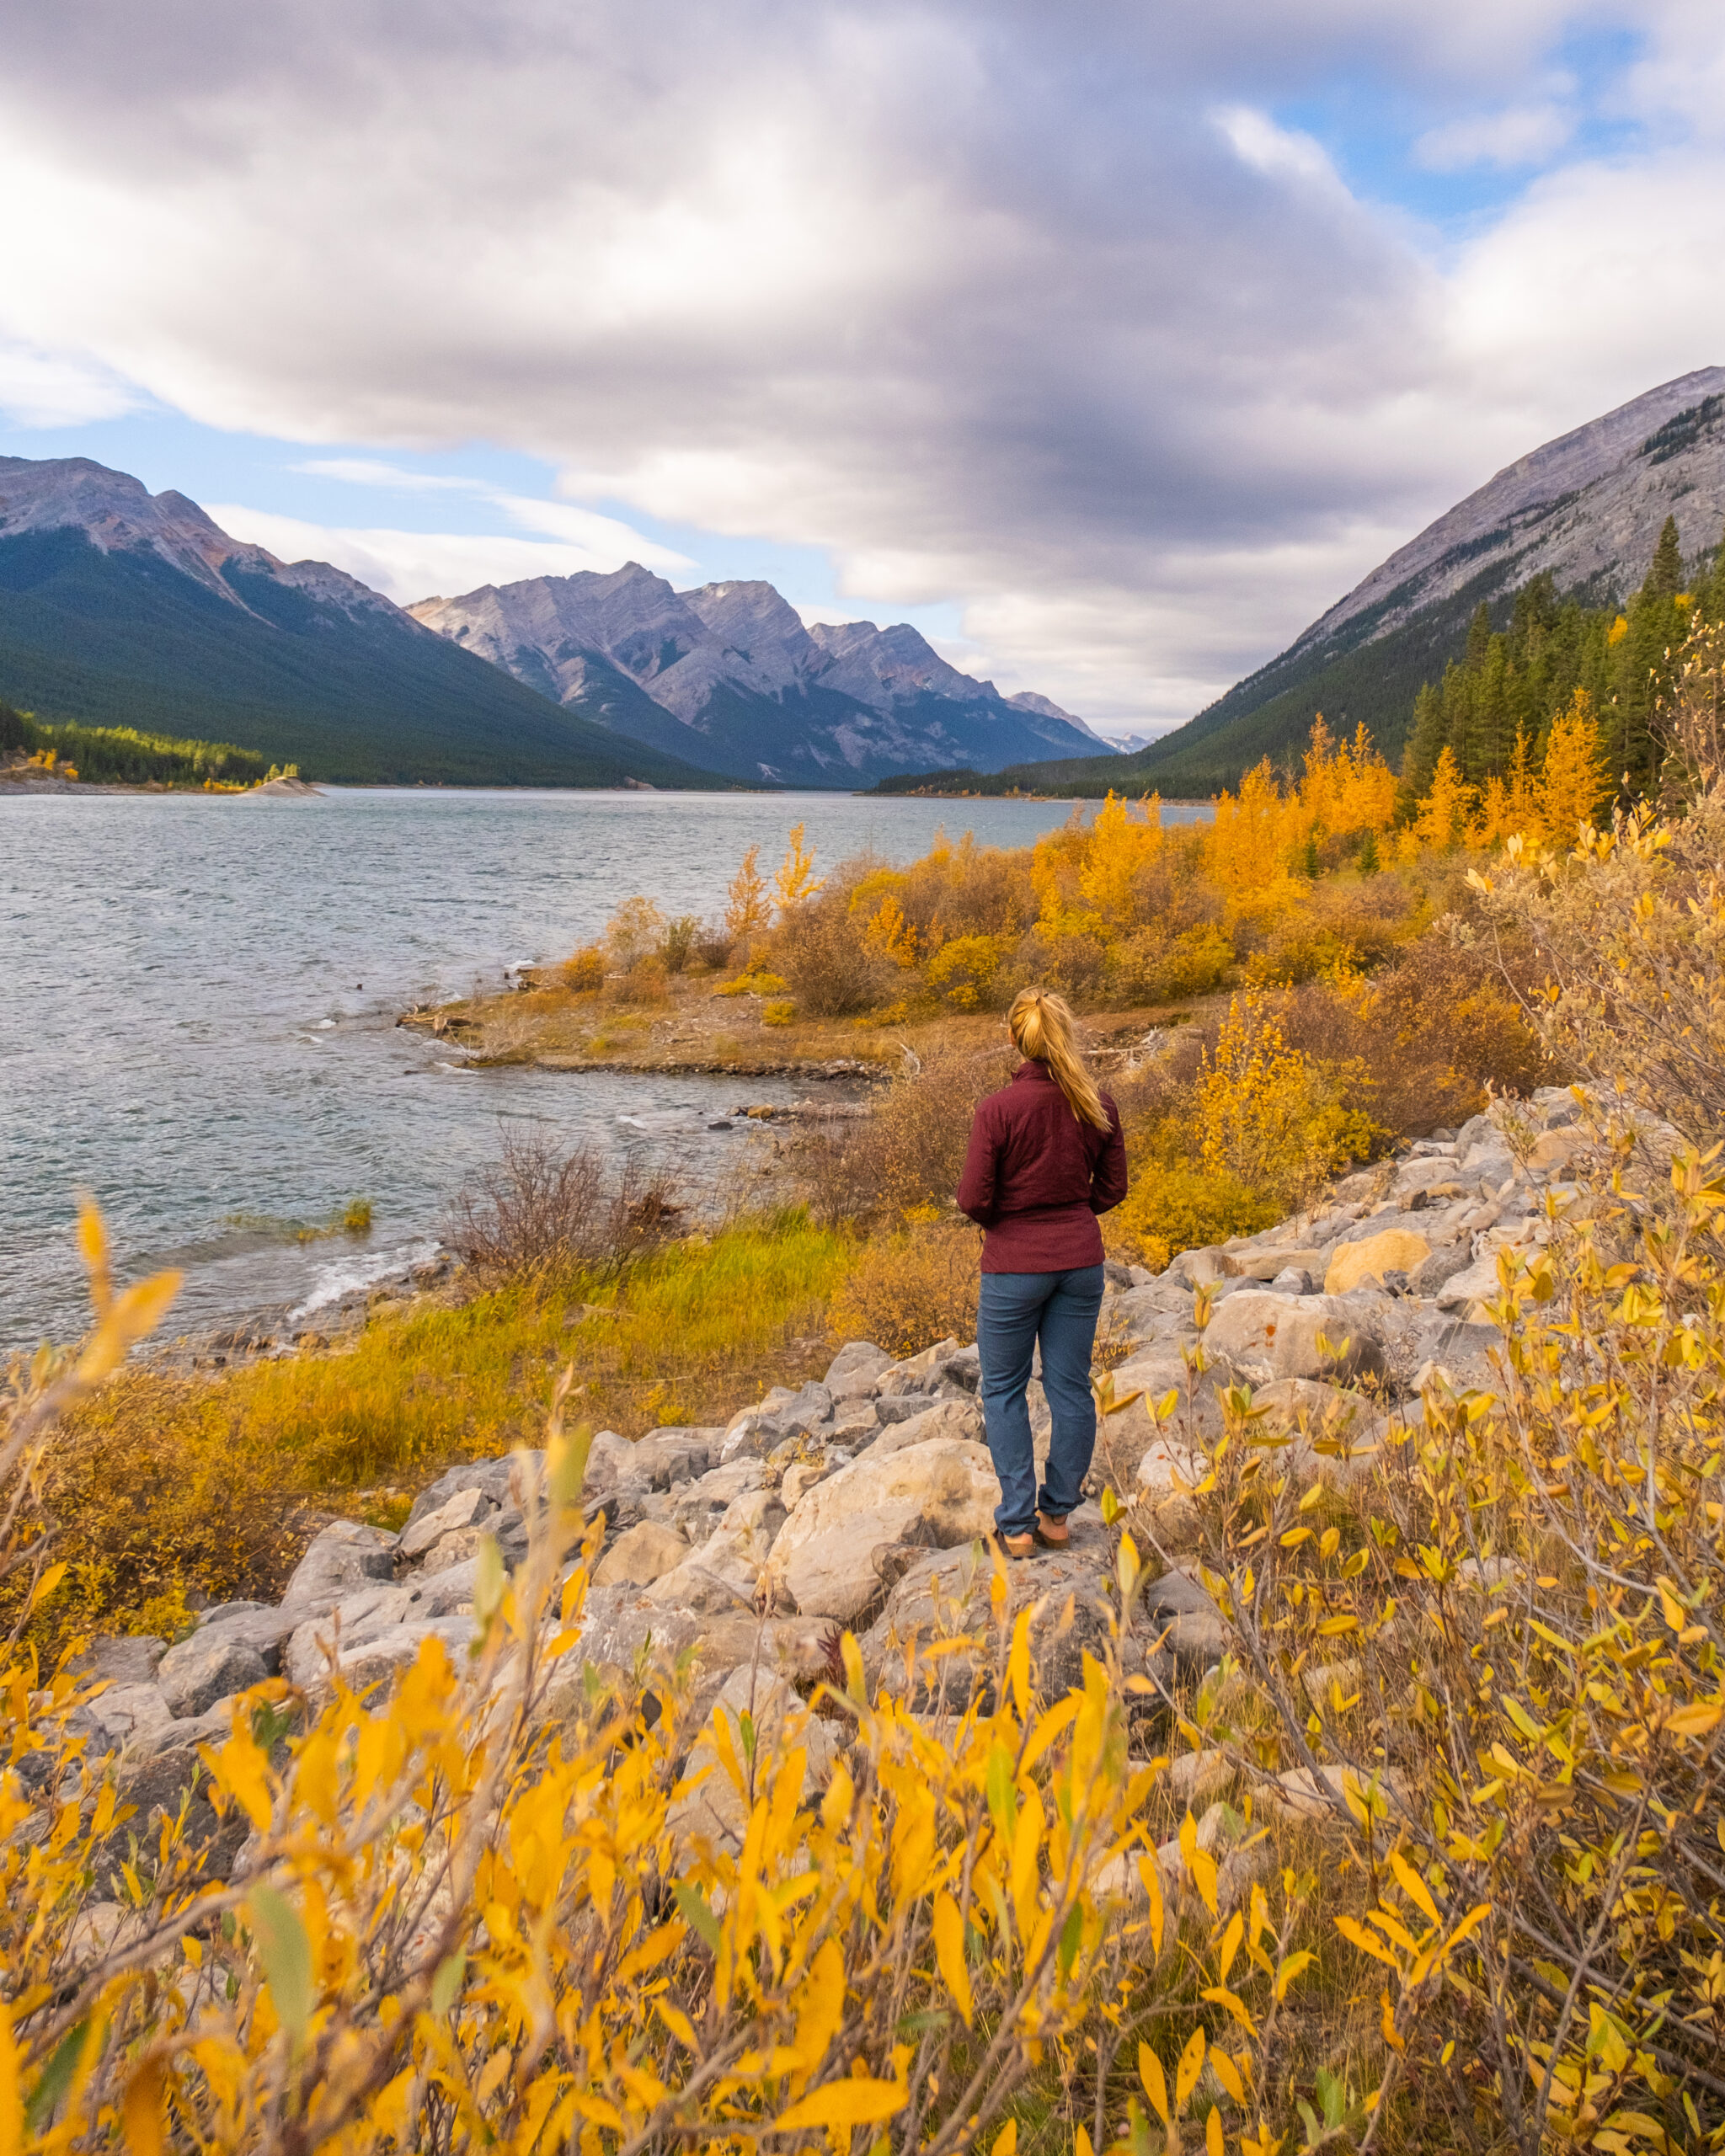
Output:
(981, 298)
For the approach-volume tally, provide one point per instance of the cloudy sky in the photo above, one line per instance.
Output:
(1109, 343)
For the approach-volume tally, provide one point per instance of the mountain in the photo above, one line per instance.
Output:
(119, 607)
(729, 675)
(1588, 508)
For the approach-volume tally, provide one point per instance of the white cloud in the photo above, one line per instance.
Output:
(47, 389)
(1521, 135)
(1041, 314)
(409, 565)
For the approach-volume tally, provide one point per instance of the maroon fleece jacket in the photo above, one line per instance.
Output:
(1035, 1177)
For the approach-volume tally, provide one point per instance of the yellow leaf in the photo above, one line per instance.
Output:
(1081, 2144)
(240, 1769)
(1018, 1667)
(1150, 1872)
(1357, 1934)
(1291, 1968)
(1213, 2142)
(1220, 1995)
(821, 2007)
(11, 2097)
(1198, 1862)
(1231, 1943)
(678, 2023)
(949, 1952)
(1006, 2142)
(1191, 2066)
(1150, 2072)
(1694, 1719)
(142, 2110)
(1227, 2074)
(1413, 1886)
(844, 2103)
(46, 1586)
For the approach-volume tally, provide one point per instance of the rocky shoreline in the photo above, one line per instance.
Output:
(862, 1502)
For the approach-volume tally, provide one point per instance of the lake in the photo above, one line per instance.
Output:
(201, 997)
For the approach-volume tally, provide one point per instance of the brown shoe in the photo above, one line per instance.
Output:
(1052, 1534)
(1016, 1546)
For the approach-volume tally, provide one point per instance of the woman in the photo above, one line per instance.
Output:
(1046, 1157)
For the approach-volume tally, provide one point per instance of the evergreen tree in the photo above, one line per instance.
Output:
(1665, 580)
(1426, 738)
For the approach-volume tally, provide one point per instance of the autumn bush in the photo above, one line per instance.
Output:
(912, 1287)
(540, 1207)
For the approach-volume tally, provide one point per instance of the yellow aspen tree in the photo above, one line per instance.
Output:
(796, 879)
(1365, 791)
(1575, 780)
(1244, 847)
(748, 910)
(1117, 846)
(1521, 803)
(1444, 813)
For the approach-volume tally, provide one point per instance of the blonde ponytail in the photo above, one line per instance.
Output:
(1041, 1026)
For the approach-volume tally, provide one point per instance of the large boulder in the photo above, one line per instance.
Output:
(725, 1572)
(945, 1595)
(753, 1432)
(366, 1615)
(641, 1555)
(938, 1493)
(946, 1418)
(1266, 1337)
(854, 1370)
(461, 1510)
(670, 1456)
(489, 1477)
(212, 1663)
(123, 1715)
(345, 1555)
(1392, 1250)
(698, 1508)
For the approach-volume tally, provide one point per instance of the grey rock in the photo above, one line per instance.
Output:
(964, 1369)
(671, 1456)
(120, 1658)
(855, 1423)
(712, 1810)
(1439, 1269)
(855, 1368)
(1185, 1621)
(940, 1493)
(262, 1626)
(696, 1509)
(342, 1557)
(492, 1476)
(900, 1406)
(212, 1664)
(121, 1717)
(446, 1593)
(1293, 1281)
(364, 1615)
(641, 1555)
(460, 1510)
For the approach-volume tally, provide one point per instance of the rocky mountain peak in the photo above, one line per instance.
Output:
(113, 509)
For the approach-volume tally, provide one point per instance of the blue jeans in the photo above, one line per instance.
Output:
(1016, 1309)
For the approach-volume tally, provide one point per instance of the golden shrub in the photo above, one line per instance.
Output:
(907, 1290)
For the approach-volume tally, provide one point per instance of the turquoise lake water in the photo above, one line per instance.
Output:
(201, 993)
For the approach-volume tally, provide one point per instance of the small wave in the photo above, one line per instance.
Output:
(349, 1275)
